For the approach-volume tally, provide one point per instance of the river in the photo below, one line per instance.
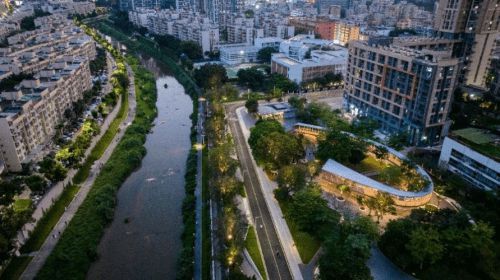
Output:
(143, 241)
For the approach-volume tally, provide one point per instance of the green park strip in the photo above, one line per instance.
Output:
(77, 248)
(306, 244)
(206, 234)
(49, 220)
(15, 268)
(252, 246)
(104, 142)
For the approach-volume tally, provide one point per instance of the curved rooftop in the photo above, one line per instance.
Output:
(335, 167)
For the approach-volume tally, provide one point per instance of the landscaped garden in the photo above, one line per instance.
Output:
(400, 174)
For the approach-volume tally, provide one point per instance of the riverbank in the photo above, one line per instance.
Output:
(76, 249)
(142, 45)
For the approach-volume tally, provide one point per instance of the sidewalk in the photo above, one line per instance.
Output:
(268, 187)
(53, 194)
(40, 256)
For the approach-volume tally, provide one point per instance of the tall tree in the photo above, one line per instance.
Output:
(291, 178)
(211, 76)
(425, 246)
(311, 213)
(265, 54)
(252, 105)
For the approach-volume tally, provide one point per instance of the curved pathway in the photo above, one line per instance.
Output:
(41, 255)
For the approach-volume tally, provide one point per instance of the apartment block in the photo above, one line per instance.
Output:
(56, 38)
(403, 89)
(30, 112)
(470, 153)
(182, 24)
(12, 22)
(67, 7)
(477, 23)
(340, 31)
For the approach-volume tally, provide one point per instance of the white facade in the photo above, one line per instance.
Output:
(184, 25)
(481, 171)
(238, 53)
(320, 63)
(298, 46)
(266, 42)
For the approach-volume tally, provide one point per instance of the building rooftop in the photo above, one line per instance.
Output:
(481, 140)
(333, 167)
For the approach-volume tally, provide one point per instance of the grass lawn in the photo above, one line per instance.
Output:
(21, 205)
(252, 246)
(369, 164)
(15, 268)
(49, 220)
(306, 244)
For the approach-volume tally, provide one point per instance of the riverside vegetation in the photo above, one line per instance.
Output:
(76, 249)
(164, 53)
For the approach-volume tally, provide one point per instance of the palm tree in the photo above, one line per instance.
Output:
(383, 204)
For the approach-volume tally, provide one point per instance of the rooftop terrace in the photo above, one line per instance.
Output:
(481, 140)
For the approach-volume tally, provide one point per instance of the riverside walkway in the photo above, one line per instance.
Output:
(41, 255)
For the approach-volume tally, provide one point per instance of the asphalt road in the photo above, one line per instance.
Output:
(274, 258)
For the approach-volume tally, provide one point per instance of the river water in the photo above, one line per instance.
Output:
(143, 241)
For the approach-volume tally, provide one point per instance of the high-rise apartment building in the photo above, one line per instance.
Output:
(403, 89)
(30, 112)
(477, 23)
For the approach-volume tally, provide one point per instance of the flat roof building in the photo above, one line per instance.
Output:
(403, 89)
(474, 154)
(320, 63)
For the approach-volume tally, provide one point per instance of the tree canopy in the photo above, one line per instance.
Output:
(272, 147)
(442, 243)
(341, 147)
(264, 54)
(311, 213)
(211, 76)
(347, 249)
(252, 105)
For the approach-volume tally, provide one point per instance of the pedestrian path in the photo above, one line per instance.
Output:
(55, 192)
(40, 257)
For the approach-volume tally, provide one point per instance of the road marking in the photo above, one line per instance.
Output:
(257, 201)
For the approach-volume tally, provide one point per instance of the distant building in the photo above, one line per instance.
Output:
(335, 11)
(403, 89)
(184, 25)
(297, 47)
(276, 111)
(339, 31)
(31, 111)
(234, 54)
(477, 23)
(273, 42)
(320, 63)
(470, 153)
